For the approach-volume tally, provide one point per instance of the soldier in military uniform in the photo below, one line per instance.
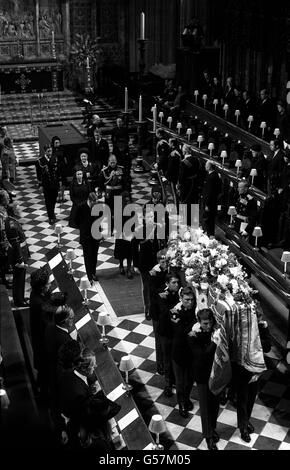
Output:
(113, 182)
(18, 254)
(246, 208)
(48, 175)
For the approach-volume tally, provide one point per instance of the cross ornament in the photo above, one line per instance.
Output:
(23, 81)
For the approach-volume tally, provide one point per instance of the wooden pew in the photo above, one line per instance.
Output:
(268, 274)
(136, 434)
(234, 131)
(21, 422)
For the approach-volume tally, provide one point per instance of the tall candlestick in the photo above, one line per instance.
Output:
(142, 26)
(154, 110)
(126, 99)
(52, 36)
(140, 108)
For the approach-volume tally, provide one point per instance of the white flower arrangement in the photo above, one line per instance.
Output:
(206, 259)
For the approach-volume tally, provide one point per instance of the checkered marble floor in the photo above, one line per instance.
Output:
(134, 336)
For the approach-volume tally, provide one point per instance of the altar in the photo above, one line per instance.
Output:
(31, 77)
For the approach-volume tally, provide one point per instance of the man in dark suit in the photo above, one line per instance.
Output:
(248, 108)
(162, 326)
(56, 335)
(260, 163)
(162, 151)
(119, 133)
(87, 411)
(100, 150)
(276, 165)
(203, 345)
(84, 221)
(182, 317)
(266, 111)
(189, 180)
(211, 192)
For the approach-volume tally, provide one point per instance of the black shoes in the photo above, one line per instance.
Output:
(183, 411)
(121, 270)
(189, 405)
(211, 445)
(250, 428)
(160, 370)
(95, 278)
(245, 436)
(52, 221)
(215, 436)
(129, 274)
(223, 398)
(168, 391)
(148, 316)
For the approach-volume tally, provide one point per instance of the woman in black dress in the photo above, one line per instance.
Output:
(79, 192)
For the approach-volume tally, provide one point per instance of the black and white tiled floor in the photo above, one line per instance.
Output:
(134, 336)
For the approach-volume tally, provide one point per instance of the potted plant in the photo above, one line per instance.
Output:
(86, 55)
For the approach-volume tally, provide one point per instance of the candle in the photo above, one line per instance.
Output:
(142, 26)
(126, 99)
(154, 111)
(0, 93)
(88, 63)
(140, 108)
(52, 37)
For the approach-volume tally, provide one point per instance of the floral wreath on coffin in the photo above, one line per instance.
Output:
(206, 261)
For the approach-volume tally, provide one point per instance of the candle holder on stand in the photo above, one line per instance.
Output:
(126, 365)
(223, 155)
(285, 258)
(125, 117)
(141, 129)
(58, 232)
(153, 180)
(238, 165)
(85, 285)
(157, 426)
(169, 120)
(142, 47)
(70, 256)
(232, 212)
(210, 148)
(253, 173)
(103, 320)
(88, 87)
(257, 233)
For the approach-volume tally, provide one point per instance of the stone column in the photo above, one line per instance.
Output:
(66, 26)
(37, 27)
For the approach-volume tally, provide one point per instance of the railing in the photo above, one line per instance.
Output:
(135, 435)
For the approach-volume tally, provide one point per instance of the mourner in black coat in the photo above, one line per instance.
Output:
(84, 221)
(182, 318)
(202, 345)
(211, 194)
